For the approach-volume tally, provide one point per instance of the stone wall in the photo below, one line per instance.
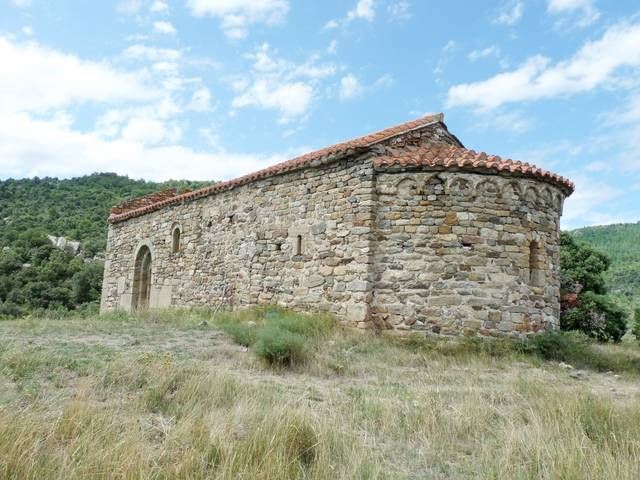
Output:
(454, 253)
(441, 251)
(237, 247)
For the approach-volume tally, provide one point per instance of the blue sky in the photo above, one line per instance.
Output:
(212, 89)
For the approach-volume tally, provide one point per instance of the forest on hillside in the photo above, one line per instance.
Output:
(34, 274)
(621, 244)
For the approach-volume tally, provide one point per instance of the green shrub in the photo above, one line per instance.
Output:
(280, 347)
(578, 349)
(574, 348)
(582, 264)
(9, 309)
(636, 323)
(275, 335)
(591, 311)
(490, 347)
(310, 326)
(561, 346)
(596, 316)
(241, 333)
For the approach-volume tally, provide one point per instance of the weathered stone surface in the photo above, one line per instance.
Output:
(449, 252)
(62, 243)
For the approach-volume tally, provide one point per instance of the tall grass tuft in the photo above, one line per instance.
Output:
(279, 337)
(165, 396)
(280, 347)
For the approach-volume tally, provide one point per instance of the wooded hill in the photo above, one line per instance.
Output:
(621, 243)
(74, 208)
(34, 274)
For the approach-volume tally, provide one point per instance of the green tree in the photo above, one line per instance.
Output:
(597, 316)
(592, 312)
(36, 275)
(583, 264)
(86, 284)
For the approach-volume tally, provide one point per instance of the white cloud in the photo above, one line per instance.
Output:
(350, 87)
(21, 3)
(37, 78)
(596, 167)
(130, 122)
(141, 107)
(129, 7)
(150, 131)
(331, 24)
(618, 139)
(279, 84)
(399, 10)
(141, 114)
(505, 121)
(621, 141)
(31, 147)
(594, 65)
(332, 49)
(200, 100)
(580, 12)
(629, 114)
(492, 51)
(385, 80)
(27, 31)
(159, 6)
(363, 9)
(584, 206)
(291, 99)
(163, 27)
(445, 54)
(237, 15)
(138, 52)
(510, 13)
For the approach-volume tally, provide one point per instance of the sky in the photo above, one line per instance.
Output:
(213, 89)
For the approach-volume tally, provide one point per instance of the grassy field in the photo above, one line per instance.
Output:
(272, 395)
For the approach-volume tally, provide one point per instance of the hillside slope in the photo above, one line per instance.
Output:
(36, 275)
(75, 208)
(621, 243)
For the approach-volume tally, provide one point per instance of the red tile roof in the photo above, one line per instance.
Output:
(308, 159)
(146, 200)
(449, 156)
(454, 157)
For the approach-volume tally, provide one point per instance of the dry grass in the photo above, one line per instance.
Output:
(168, 396)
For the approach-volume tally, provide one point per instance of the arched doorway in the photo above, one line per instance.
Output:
(142, 279)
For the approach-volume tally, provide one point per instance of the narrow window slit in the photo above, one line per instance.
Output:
(176, 240)
(536, 264)
(298, 246)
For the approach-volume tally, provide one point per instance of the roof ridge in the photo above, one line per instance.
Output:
(294, 163)
(455, 156)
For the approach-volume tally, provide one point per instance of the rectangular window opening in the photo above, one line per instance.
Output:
(298, 246)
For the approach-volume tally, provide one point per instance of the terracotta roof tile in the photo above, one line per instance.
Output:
(450, 156)
(431, 155)
(340, 149)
